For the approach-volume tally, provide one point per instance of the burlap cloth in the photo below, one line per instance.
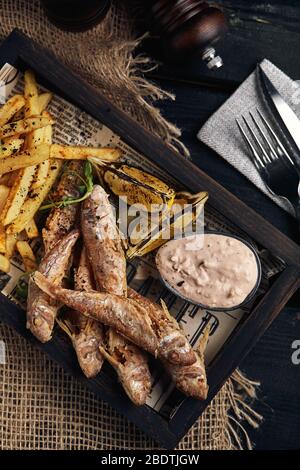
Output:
(41, 406)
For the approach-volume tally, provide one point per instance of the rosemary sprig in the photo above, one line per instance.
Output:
(85, 190)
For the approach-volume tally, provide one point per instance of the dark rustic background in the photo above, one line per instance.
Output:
(257, 30)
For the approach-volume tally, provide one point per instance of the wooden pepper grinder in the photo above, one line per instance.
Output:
(189, 28)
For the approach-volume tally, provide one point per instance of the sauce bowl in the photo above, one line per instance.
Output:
(249, 297)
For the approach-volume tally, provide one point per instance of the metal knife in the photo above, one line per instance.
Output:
(283, 113)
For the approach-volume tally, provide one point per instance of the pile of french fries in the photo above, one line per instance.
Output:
(29, 166)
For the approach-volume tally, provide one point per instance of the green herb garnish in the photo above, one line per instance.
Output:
(85, 190)
(22, 286)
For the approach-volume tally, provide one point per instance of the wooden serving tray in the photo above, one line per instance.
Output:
(19, 51)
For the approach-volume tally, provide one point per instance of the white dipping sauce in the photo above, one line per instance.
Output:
(213, 270)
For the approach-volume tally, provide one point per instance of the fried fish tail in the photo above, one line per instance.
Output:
(172, 342)
(131, 366)
(86, 334)
(86, 342)
(86, 345)
(41, 309)
(190, 379)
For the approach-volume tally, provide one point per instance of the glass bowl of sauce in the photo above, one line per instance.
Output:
(214, 270)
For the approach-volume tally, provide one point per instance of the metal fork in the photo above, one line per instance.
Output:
(271, 159)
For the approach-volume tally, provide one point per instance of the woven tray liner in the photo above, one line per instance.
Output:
(41, 406)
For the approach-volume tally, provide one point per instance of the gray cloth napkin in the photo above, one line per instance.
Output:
(221, 133)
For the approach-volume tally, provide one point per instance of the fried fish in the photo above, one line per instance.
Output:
(190, 379)
(86, 334)
(128, 318)
(41, 309)
(105, 252)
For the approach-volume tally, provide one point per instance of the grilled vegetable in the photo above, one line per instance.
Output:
(169, 224)
(139, 187)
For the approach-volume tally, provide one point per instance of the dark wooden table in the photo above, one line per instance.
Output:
(257, 30)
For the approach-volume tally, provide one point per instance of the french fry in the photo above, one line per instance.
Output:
(22, 160)
(4, 264)
(35, 199)
(19, 115)
(17, 195)
(41, 174)
(44, 99)
(43, 168)
(2, 239)
(8, 179)
(8, 140)
(27, 255)
(11, 241)
(34, 138)
(31, 94)
(4, 179)
(10, 148)
(24, 126)
(80, 153)
(31, 229)
(11, 107)
(47, 134)
(13, 175)
(4, 192)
